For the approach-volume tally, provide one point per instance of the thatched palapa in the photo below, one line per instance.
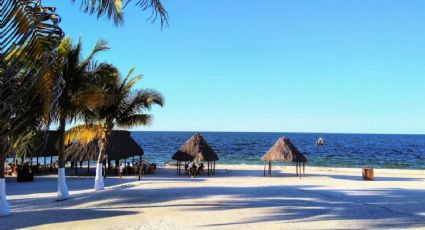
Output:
(120, 146)
(196, 149)
(45, 144)
(284, 151)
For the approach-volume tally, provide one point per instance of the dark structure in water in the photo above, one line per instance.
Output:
(320, 141)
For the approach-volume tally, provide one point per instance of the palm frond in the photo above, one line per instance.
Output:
(127, 84)
(142, 101)
(64, 46)
(133, 81)
(21, 146)
(91, 98)
(101, 45)
(124, 81)
(84, 134)
(146, 98)
(135, 120)
(111, 8)
(104, 73)
(30, 34)
(157, 8)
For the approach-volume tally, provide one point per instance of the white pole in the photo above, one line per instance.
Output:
(63, 193)
(98, 181)
(4, 206)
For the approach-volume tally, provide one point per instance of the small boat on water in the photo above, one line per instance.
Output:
(320, 141)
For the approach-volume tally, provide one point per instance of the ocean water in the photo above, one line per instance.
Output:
(340, 150)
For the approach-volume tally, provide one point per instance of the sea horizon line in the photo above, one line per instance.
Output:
(290, 132)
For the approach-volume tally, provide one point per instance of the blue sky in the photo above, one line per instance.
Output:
(299, 66)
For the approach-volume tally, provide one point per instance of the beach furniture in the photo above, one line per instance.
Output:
(367, 173)
(196, 149)
(152, 168)
(284, 151)
(8, 171)
(25, 174)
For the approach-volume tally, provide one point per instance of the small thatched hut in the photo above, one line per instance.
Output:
(284, 151)
(196, 149)
(120, 146)
(43, 144)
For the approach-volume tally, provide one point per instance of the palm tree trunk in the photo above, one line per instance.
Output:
(63, 193)
(98, 181)
(4, 206)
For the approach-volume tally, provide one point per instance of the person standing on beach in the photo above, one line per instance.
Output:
(189, 169)
(120, 170)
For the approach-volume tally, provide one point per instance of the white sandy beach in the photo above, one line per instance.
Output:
(327, 198)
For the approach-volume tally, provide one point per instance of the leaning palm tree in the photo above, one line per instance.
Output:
(81, 92)
(126, 108)
(29, 34)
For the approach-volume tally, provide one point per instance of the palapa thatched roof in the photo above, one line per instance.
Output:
(283, 150)
(196, 149)
(120, 145)
(43, 144)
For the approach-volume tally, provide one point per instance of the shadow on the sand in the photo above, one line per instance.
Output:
(375, 209)
(74, 183)
(41, 217)
(378, 208)
(50, 184)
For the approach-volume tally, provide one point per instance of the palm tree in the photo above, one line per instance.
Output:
(26, 55)
(81, 92)
(126, 109)
(31, 34)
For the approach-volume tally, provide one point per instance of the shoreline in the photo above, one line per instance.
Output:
(315, 168)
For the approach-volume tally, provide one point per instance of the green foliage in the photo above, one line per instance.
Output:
(82, 76)
(127, 107)
(123, 107)
(39, 82)
(30, 34)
